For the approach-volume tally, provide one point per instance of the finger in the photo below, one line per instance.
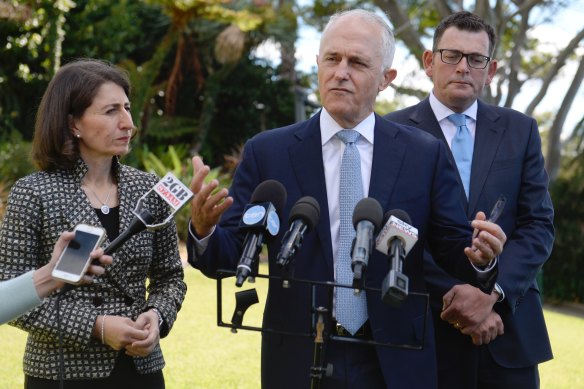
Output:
(146, 343)
(206, 191)
(220, 207)
(477, 257)
(86, 279)
(99, 257)
(95, 270)
(62, 242)
(486, 244)
(200, 171)
(214, 199)
(135, 335)
(447, 299)
(480, 216)
(477, 340)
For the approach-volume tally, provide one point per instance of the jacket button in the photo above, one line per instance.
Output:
(128, 301)
(97, 301)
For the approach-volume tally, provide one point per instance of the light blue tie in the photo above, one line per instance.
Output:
(350, 309)
(462, 149)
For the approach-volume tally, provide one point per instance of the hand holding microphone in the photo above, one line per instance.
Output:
(367, 218)
(396, 239)
(261, 221)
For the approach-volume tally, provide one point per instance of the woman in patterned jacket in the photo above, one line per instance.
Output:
(109, 331)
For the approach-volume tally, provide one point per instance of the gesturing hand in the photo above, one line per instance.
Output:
(206, 206)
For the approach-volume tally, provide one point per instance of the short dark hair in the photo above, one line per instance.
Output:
(69, 94)
(465, 21)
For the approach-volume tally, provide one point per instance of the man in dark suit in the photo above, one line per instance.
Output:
(400, 167)
(507, 332)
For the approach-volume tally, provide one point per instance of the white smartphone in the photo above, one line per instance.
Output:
(75, 259)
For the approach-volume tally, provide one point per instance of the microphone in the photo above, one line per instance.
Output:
(367, 219)
(260, 218)
(138, 224)
(303, 217)
(172, 191)
(396, 239)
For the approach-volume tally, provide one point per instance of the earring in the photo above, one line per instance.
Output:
(78, 135)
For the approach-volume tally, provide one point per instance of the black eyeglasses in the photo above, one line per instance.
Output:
(453, 57)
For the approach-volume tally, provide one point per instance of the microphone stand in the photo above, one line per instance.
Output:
(317, 369)
(319, 318)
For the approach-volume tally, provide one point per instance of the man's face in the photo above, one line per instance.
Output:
(350, 70)
(458, 86)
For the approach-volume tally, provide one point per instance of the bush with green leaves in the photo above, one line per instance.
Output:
(15, 159)
(14, 163)
(563, 273)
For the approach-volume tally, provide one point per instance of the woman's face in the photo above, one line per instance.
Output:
(105, 128)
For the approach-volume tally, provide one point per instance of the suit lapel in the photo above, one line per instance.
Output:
(307, 164)
(487, 139)
(424, 118)
(78, 209)
(388, 157)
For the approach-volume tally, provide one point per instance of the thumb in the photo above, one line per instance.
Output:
(447, 299)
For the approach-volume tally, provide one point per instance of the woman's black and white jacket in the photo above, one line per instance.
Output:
(146, 273)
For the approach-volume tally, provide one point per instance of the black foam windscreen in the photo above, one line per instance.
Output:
(398, 213)
(368, 209)
(307, 209)
(270, 191)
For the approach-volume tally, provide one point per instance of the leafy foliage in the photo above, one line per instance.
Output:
(563, 273)
(14, 163)
(252, 99)
(14, 158)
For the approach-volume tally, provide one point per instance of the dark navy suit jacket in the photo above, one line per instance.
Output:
(507, 160)
(410, 171)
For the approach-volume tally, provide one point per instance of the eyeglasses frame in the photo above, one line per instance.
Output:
(463, 55)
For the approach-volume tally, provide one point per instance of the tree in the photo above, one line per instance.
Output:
(518, 52)
(520, 59)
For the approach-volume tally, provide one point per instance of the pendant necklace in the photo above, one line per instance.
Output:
(104, 207)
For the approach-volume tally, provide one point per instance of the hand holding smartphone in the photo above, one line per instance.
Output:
(75, 259)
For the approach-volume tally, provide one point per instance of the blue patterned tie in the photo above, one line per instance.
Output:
(462, 149)
(350, 309)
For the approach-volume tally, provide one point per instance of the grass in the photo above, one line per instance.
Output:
(199, 354)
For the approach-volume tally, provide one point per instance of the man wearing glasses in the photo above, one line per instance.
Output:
(485, 341)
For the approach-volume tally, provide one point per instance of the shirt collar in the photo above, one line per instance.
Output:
(329, 127)
(442, 112)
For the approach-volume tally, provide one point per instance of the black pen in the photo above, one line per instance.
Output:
(495, 213)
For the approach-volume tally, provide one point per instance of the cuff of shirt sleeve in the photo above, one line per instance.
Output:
(500, 291)
(200, 243)
(488, 268)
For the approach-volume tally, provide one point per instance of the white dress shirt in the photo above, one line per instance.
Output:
(448, 128)
(332, 154)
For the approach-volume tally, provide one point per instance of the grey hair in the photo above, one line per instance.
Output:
(387, 37)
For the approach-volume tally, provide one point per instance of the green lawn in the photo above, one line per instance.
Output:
(200, 354)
